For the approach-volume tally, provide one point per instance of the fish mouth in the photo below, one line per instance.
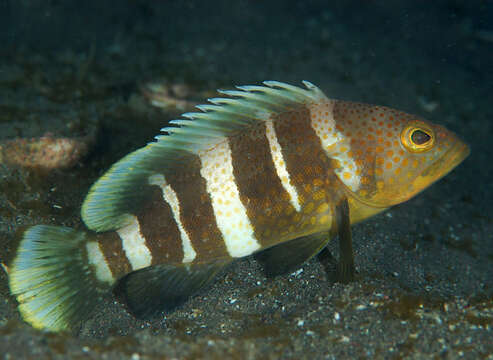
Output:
(446, 163)
(438, 169)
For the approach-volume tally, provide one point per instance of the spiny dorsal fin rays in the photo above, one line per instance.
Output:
(255, 97)
(250, 104)
(236, 110)
(230, 114)
(217, 125)
(115, 196)
(221, 116)
(282, 95)
(313, 91)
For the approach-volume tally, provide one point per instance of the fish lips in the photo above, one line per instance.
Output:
(446, 163)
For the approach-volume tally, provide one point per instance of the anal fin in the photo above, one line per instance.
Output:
(164, 287)
(290, 255)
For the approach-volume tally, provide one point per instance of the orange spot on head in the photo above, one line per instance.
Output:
(396, 159)
(347, 175)
(389, 153)
(405, 161)
(397, 171)
(380, 161)
(378, 171)
(388, 165)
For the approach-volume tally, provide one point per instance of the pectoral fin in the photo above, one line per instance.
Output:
(345, 268)
(290, 255)
(163, 287)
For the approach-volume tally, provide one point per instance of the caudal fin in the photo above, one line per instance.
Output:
(51, 278)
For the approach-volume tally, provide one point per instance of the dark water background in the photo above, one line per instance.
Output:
(426, 267)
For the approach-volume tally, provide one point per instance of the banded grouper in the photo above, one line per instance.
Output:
(273, 170)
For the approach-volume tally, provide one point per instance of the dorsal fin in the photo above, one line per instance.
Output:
(121, 190)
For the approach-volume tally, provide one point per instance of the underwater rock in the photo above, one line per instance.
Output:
(45, 152)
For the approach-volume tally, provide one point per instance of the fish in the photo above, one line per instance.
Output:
(271, 170)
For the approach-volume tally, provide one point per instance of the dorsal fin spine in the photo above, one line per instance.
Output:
(256, 98)
(219, 116)
(290, 96)
(216, 125)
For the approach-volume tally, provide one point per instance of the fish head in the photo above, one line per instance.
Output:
(400, 155)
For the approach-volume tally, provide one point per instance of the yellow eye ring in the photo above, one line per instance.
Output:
(417, 137)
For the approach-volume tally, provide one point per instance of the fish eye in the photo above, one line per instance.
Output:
(417, 137)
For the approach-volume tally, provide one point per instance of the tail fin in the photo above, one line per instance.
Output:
(51, 278)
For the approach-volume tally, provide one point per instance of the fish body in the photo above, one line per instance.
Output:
(272, 170)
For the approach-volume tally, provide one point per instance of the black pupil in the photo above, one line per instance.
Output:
(419, 137)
